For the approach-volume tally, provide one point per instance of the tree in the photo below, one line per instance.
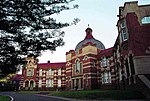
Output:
(26, 27)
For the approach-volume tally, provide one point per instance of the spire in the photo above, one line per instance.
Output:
(88, 33)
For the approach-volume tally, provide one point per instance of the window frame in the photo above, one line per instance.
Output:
(106, 77)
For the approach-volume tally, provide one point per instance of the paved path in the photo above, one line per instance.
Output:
(29, 97)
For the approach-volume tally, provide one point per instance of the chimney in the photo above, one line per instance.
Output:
(48, 61)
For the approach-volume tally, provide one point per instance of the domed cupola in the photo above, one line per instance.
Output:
(90, 39)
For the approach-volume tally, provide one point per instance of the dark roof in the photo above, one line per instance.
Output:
(106, 52)
(52, 65)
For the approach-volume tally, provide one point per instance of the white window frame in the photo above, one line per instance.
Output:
(78, 67)
(59, 71)
(106, 77)
(145, 20)
(50, 72)
(104, 62)
(30, 72)
(40, 83)
(59, 83)
(40, 72)
(123, 31)
(49, 83)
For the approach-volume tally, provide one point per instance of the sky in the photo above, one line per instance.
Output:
(101, 15)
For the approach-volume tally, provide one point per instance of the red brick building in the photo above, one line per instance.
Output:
(91, 66)
(43, 76)
(82, 63)
(132, 47)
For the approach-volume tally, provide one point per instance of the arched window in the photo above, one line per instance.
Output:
(146, 20)
(26, 83)
(78, 67)
(32, 84)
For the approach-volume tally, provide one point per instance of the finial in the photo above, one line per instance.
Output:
(88, 25)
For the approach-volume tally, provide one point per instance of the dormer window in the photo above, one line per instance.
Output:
(146, 20)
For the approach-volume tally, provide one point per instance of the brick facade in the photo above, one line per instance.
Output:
(91, 66)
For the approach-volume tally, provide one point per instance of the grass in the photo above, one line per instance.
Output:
(4, 98)
(92, 94)
(101, 94)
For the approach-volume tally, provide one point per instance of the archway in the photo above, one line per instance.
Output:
(26, 85)
(31, 85)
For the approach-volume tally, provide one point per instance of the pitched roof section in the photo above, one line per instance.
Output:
(106, 52)
(52, 65)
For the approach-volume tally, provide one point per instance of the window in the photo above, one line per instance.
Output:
(123, 25)
(124, 36)
(107, 62)
(106, 77)
(104, 62)
(40, 72)
(59, 71)
(50, 72)
(31, 83)
(146, 20)
(123, 31)
(49, 83)
(78, 67)
(40, 83)
(59, 82)
(30, 72)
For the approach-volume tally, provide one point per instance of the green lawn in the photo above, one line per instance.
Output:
(101, 94)
(92, 94)
(4, 98)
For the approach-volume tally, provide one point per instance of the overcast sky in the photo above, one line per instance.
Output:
(101, 15)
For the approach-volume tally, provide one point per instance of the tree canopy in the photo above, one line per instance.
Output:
(27, 27)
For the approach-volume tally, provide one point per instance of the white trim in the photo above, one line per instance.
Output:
(90, 73)
(87, 63)
(68, 71)
(87, 67)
